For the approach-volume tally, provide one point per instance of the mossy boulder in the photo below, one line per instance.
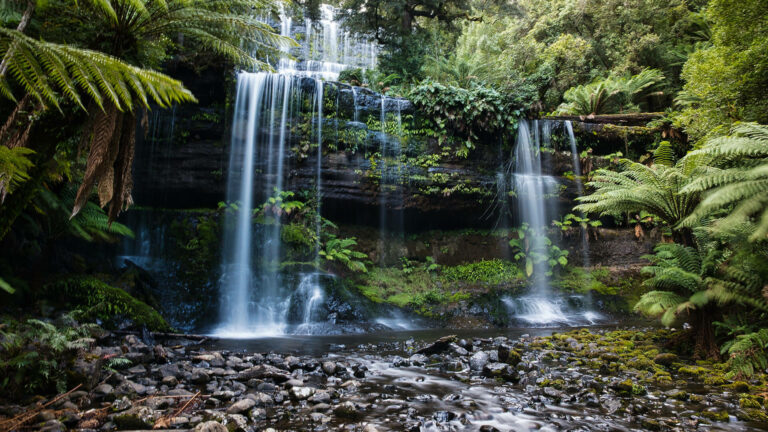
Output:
(739, 386)
(130, 422)
(514, 357)
(665, 359)
(623, 388)
(693, 371)
(753, 414)
(747, 401)
(650, 424)
(98, 301)
(719, 416)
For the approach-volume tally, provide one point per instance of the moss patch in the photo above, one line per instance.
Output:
(98, 301)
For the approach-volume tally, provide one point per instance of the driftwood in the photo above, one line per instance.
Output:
(629, 119)
(163, 335)
(16, 422)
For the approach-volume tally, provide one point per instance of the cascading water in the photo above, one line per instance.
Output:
(533, 189)
(579, 189)
(390, 183)
(255, 299)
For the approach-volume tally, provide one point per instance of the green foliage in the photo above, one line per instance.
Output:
(615, 94)
(35, 355)
(748, 353)
(98, 301)
(571, 220)
(656, 190)
(582, 281)
(533, 248)
(281, 203)
(406, 28)
(685, 278)
(490, 272)
(542, 48)
(90, 224)
(463, 116)
(342, 250)
(737, 181)
(75, 72)
(5, 286)
(14, 165)
(725, 81)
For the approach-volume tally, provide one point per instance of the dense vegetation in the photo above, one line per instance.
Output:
(78, 79)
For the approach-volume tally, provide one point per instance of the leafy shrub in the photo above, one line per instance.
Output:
(34, 355)
(611, 95)
(454, 114)
(492, 272)
(99, 301)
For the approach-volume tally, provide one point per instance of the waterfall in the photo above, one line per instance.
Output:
(536, 195)
(255, 300)
(533, 188)
(579, 190)
(391, 221)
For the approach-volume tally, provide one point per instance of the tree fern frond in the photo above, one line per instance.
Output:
(49, 71)
(656, 303)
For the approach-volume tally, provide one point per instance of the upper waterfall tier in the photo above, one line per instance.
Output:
(325, 49)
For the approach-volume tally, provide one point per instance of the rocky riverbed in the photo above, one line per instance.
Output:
(579, 380)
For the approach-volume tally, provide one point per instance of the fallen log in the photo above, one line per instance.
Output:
(628, 119)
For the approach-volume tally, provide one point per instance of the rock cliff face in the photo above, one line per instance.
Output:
(183, 159)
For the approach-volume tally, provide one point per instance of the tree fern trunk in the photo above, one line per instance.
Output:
(705, 346)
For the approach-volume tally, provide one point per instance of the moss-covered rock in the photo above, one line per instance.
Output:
(719, 416)
(753, 414)
(665, 359)
(97, 300)
(693, 371)
(130, 422)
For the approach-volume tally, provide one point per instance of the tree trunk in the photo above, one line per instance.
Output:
(705, 346)
(684, 236)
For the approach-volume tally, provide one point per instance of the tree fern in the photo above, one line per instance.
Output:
(610, 95)
(53, 72)
(737, 182)
(640, 188)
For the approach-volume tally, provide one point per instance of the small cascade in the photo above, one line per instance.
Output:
(532, 190)
(579, 189)
(390, 184)
(356, 116)
(255, 300)
(397, 321)
(310, 296)
(535, 193)
(554, 311)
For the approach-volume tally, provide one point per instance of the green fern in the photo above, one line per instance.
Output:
(747, 353)
(685, 278)
(90, 224)
(35, 355)
(14, 166)
(5, 286)
(50, 72)
(736, 183)
(610, 95)
(656, 190)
